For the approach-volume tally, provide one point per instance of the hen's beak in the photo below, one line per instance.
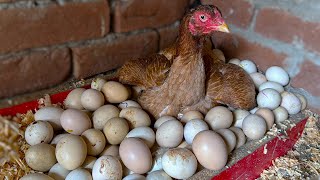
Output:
(224, 28)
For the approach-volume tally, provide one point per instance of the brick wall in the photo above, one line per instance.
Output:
(45, 42)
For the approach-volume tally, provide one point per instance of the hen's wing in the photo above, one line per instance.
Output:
(145, 72)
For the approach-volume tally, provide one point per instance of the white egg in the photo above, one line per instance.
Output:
(57, 138)
(58, 172)
(79, 174)
(273, 85)
(290, 102)
(98, 83)
(277, 74)
(50, 114)
(238, 116)
(134, 177)
(136, 117)
(107, 167)
(38, 132)
(156, 163)
(254, 126)
(229, 138)
(303, 101)
(146, 134)
(280, 114)
(161, 120)
(234, 61)
(254, 110)
(170, 134)
(269, 98)
(158, 175)
(179, 163)
(92, 99)
(258, 79)
(192, 128)
(129, 103)
(248, 66)
(219, 117)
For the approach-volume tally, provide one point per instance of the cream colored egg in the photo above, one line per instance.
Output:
(267, 115)
(170, 134)
(107, 167)
(133, 150)
(129, 103)
(303, 101)
(234, 61)
(58, 172)
(269, 98)
(241, 138)
(258, 79)
(136, 117)
(41, 157)
(115, 92)
(92, 99)
(134, 177)
(36, 176)
(254, 126)
(238, 116)
(273, 85)
(38, 132)
(191, 115)
(158, 175)
(57, 138)
(161, 120)
(116, 130)
(75, 121)
(219, 54)
(103, 114)
(210, 150)
(219, 117)
(248, 66)
(192, 128)
(71, 151)
(51, 115)
(229, 138)
(73, 100)
(280, 114)
(89, 162)
(98, 83)
(146, 134)
(179, 163)
(290, 102)
(95, 141)
(277, 74)
(112, 150)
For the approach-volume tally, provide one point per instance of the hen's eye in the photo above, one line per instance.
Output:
(203, 18)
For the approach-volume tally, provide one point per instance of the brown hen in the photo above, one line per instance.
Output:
(187, 75)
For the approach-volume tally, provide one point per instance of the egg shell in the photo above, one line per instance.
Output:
(146, 134)
(277, 74)
(71, 151)
(57, 138)
(58, 172)
(133, 150)
(238, 116)
(241, 138)
(38, 132)
(36, 176)
(89, 162)
(191, 115)
(179, 163)
(290, 102)
(170, 134)
(234, 61)
(219, 117)
(258, 79)
(79, 174)
(254, 126)
(92, 99)
(95, 141)
(75, 121)
(112, 150)
(158, 175)
(136, 117)
(103, 114)
(303, 101)
(229, 138)
(73, 100)
(129, 103)
(280, 114)
(272, 85)
(248, 66)
(219, 54)
(210, 150)
(98, 83)
(51, 115)
(107, 167)
(115, 92)
(267, 115)
(192, 128)
(116, 130)
(41, 157)
(254, 110)
(269, 98)
(161, 120)
(134, 177)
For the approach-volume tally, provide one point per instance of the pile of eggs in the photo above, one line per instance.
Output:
(101, 134)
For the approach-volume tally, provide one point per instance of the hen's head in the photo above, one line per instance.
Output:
(205, 20)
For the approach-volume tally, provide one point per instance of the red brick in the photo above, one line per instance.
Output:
(34, 27)
(237, 12)
(284, 26)
(308, 78)
(235, 46)
(140, 14)
(112, 52)
(168, 35)
(33, 71)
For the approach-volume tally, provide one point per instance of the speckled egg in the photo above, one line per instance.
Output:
(290, 102)
(92, 99)
(50, 114)
(73, 100)
(269, 98)
(170, 134)
(254, 126)
(107, 167)
(192, 128)
(103, 114)
(116, 130)
(136, 117)
(41, 157)
(38, 132)
(277, 74)
(95, 141)
(219, 117)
